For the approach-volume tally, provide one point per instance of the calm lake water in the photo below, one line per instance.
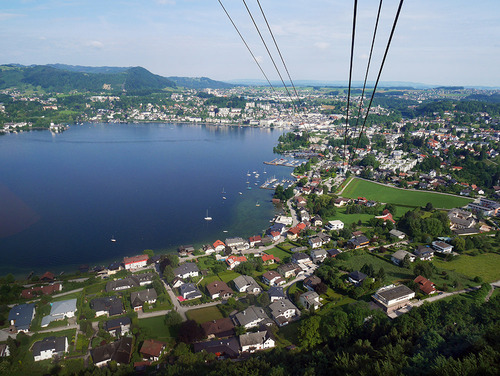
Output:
(64, 196)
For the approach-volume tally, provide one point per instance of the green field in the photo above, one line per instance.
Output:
(155, 328)
(381, 193)
(276, 252)
(228, 276)
(202, 315)
(486, 266)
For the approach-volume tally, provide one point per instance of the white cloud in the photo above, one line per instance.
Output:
(165, 2)
(322, 45)
(95, 44)
(7, 16)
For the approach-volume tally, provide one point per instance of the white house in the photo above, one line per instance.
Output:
(399, 256)
(442, 247)
(283, 311)
(310, 299)
(392, 297)
(335, 225)
(59, 311)
(186, 270)
(49, 347)
(135, 262)
(251, 342)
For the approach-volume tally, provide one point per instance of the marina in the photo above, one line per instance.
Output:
(284, 162)
(272, 183)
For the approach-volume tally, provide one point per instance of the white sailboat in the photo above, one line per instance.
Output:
(257, 204)
(113, 239)
(207, 218)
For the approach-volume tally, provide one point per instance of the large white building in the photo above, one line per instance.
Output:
(335, 225)
(392, 297)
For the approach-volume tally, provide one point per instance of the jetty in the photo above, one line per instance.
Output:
(284, 162)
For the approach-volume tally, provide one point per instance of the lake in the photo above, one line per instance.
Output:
(63, 197)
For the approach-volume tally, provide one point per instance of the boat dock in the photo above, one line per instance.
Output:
(284, 162)
(273, 183)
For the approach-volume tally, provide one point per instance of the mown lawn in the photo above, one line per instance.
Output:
(380, 193)
(486, 266)
(156, 329)
(206, 280)
(202, 315)
(228, 276)
(276, 252)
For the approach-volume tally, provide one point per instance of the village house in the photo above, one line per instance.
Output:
(391, 298)
(424, 253)
(220, 328)
(301, 259)
(289, 270)
(251, 342)
(357, 277)
(334, 225)
(269, 259)
(294, 232)
(20, 316)
(318, 255)
(222, 348)
(442, 247)
(274, 235)
(129, 282)
(59, 311)
(315, 242)
(109, 306)
(135, 262)
(139, 298)
(339, 202)
(119, 351)
(34, 292)
(152, 349)
(399, 256)
(186, 270)
(254, 240)
(397, 234)
(233, 261)
(310, 299)
(245, 283)
(219, 289)
(251, 317)
(461, 219)
(311, 282)
(189, 291)
(219, 246)
(272, 278)
(118, 327)
(283, 312)
(275, 293)
(317, 221)
(237, 243)
(287, 221)
(208, 249)
(426, 286)
(333, 252)
(358, 242)
(49, 348)
(185, 250)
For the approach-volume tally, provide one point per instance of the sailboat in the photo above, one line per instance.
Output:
(257, 204)
(223, 191)
(248, 173)
(207, 218)
(113, 239)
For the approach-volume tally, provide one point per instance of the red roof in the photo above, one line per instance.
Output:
(152, 347)
(232, 259)
(425, 285)
(266, 258)
(134, 259)
(256, 238)
(218, 242)
(275, 233)
(47, 276)
(40, 290)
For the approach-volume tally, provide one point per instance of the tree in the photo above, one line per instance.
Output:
(321, 288)
(189, 332)
(309, 332)
(173, 318)
(381, 274)
(406, 262)
(429, 207)
(148, 252)
(459, 244)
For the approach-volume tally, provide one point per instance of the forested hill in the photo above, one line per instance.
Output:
(66, 78)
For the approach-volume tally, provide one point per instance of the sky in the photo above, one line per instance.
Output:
(438, 42)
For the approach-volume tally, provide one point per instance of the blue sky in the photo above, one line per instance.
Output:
(445, 42)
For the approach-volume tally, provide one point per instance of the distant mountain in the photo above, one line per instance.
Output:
(200, 83)
(65, 78)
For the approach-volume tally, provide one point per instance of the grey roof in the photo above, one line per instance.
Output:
(310, 296)
(299, 256)
(401, 254)
(357, 276)
(245, 280)
(229, 346)
(56, 344)
(22, 314)
(251, 314)
(279, 307)
(396, 233)
(137, 298)
(276, 291)
(395, 292)
(116, 323)
(111, 304)
(186, 268)
(119, 351)
(249, 339)
(190, 290)
(122, 284)
(62, 307)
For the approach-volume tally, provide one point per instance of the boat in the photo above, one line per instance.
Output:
(207, 218)
(257, 204)
(248, 173)
(249, 187)
(223, 197)
(113, 239)
(265, 172)
(223, 191)
(224, 230)
(240, 193)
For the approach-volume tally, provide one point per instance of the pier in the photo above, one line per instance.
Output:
(284, 162)
(271, 184)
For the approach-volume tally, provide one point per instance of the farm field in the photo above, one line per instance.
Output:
(377, 192)
(486, 266)
(202, 315)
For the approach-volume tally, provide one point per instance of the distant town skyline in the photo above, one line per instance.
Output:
(436, 42)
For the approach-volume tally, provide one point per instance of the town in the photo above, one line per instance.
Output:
(377, 226)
